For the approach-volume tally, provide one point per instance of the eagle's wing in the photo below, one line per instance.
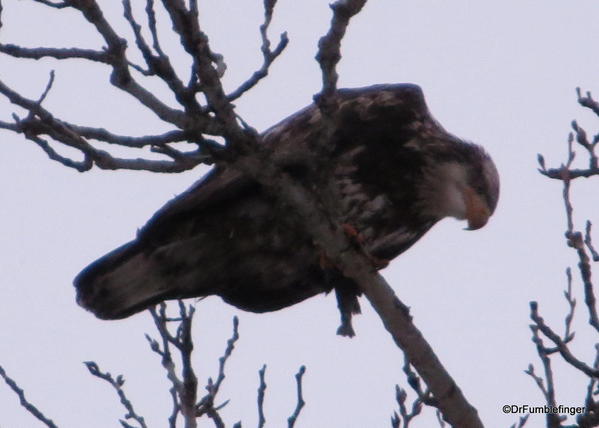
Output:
(130, 277)
(220, 237)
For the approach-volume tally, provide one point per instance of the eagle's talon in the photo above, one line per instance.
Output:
(352, 233)
(358, 239)
(378, 263)
(346, 329)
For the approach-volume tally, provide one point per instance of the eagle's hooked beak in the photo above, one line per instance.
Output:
(477, 210)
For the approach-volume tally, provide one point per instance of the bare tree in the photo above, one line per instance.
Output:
(175, 347)
(205, 115)
(549, 343)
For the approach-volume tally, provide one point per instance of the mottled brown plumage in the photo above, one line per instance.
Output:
(397, 170)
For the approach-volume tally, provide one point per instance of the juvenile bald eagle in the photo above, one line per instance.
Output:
(398, 173)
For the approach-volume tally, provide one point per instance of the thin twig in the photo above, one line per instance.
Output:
(401, 396)
(161, 66)
(568, 334)
(575, 238)
(562, 347)
(59, 5)
(24, 402)
(206, 403)
(300, 398)
(588, 242)
(590, 418)
(48, 87)
(117, 383)
(415, 383)
(268, 55)
(521, 422)
(261, 393)
(168, 364)
(186, 384)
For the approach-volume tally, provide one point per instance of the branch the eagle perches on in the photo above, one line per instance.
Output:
(198, 124)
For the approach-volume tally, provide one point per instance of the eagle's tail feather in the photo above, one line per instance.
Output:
(121, 283)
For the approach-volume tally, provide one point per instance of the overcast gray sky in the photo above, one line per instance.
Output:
(501, 74)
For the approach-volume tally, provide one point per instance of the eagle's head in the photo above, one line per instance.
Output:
(463, 185)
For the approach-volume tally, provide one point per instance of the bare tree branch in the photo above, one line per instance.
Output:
(206, 403)
(57, 5)
(521, 422)
(414, 381)
(56, 53)
(329, 46)
(562, 347)
(300, 398)
(553, 420)
(582, 140)
(406, 417)
(117, 383)
(40, 121)
(575, 240)
(195, 42)
(161, 66)
(268, 55)
(582, 244)
(568, 333)
(587, 101)
(185, 385)
(588, 242)
(261, 392)
(24, 402)
(590, 418)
